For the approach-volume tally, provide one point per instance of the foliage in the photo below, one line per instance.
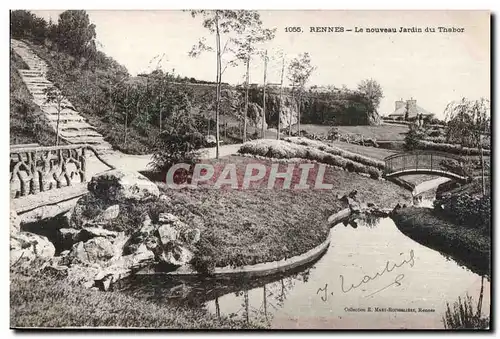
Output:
(338, 151)
(467, 121)
(49, 303)
(450, 148)
(462, 316)
(289, 150)
(468, 246)
(178, 143)
(300, 70)
(413, 138)
(26, 25)
(27, 124)
(75, 34)
(372, 90)
(472, 211)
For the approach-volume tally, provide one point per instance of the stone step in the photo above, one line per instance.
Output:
(66, 117)
(72, 126)
(79, 133)
(53, 110)
(79, 127)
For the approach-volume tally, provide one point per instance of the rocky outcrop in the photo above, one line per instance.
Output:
(359, 210)
(111, 233)
(118, 185)
(28, 250)
(15, 221)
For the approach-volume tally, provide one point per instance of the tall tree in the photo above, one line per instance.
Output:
(227, 25)
(299, 72)
(248, 45)
(468, 121)
(372, 90)
(75, 33)
(282, 55)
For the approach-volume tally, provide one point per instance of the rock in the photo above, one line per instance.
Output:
(95, 232)
(178, 256)
(167, 234)
(15, 221)
(118, 185)
(167, 218)
(95, 250)
(143, 236)
(370, 204)
(26, 248)
(397, 207)
(123, 267)
(164, 198)
(83, 275)
(192, 236)
(210, 140)
(353, 194)
(110, 213)
(68, 237)
(354, 206)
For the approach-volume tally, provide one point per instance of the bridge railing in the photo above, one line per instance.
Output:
(420, 160)
(39, 169)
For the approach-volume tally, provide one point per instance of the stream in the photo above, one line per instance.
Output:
(371, 277)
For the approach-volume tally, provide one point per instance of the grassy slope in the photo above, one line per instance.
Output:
(466, 245)
(260, 225)
(27, 124)
(47, 302)
(380, 154)
(382, 132)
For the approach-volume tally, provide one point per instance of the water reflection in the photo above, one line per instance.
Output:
(292, 300)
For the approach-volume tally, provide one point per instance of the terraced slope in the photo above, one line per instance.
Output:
(72, 126)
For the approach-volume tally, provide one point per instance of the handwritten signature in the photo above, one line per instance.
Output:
(366, 279)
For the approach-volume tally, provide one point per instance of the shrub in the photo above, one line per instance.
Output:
(473, 211)
(450, 148)
(178, 143)
(313, 150)
(337, 151)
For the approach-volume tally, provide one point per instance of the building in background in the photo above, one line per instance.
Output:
(409, 110)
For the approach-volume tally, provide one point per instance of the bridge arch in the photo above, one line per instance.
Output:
(424, 162)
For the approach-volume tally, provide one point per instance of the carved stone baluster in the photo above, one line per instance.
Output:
(83, 168)
(35, 175)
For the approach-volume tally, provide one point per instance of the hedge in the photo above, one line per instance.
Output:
(287, 150)
(450, 148)
(338, 151)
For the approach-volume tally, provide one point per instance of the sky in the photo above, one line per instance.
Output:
(433, 68)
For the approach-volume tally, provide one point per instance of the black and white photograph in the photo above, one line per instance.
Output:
(250, 169)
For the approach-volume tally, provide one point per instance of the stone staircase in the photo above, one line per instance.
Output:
(72, 126)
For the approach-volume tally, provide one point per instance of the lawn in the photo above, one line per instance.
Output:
(42, 301)
(468, 246)
(381, 132)
(260, 224)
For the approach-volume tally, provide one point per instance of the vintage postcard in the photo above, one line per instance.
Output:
(242, 169)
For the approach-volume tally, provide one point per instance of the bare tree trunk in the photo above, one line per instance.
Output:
(483, 179)
(298, 114)
(281, 96)
(217, 105)
(126, 117)
(246, 306)
(247, 84)
(291, 113)
(480, 302)
(58, 118)
(263, 131)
